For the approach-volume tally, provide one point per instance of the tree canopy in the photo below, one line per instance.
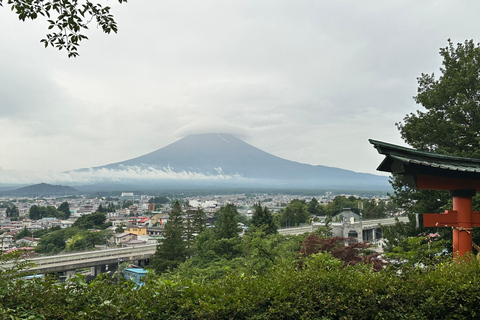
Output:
(263, 218)
(172, 250)
(65, 208)
(37, 212)
(448, 123)
(226, 227)
(68, 20)
(94, 220)
(295, 213)
(12, 211)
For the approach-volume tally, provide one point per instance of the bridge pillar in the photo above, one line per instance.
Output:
(142, 262)
(70, 273)
(367, 235)
(65, 275)
(95, 271)
(112, 267)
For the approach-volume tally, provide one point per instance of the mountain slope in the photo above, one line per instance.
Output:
(42, 189)
(216, 155)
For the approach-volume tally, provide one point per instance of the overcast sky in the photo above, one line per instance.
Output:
(309, 81)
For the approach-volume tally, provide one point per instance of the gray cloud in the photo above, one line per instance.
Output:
(309, 81)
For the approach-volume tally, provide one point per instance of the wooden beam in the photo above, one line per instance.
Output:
(428, 182)
(439, 220)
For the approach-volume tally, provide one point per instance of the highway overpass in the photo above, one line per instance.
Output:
(69, 262)
(366, 230)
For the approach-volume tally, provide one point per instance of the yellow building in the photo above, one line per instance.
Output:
(138, 230)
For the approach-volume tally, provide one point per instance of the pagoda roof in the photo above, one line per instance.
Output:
(413, 163)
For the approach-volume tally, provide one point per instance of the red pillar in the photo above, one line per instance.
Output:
(455, 242)
(462, 235)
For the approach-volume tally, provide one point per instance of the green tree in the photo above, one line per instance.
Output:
(449, 123)
(23, 233)
(159, 200)
(86, 240)
(120, 228)
(341, 202)
(65, 208)
(199, 222)
(126, 204)
(226, 227)
(262, 218)
(189, 233)
(373, 209)
(67, 20)
(36, 212)
(18, 268)
(262, 251)
(295, 213)
(225, 238)
(221, 241)
(315, 208)
(55, 241)
(12, 211)
(41, 232)
(172, 249)
(194, 224)
(428, 250)
(94, 220)
(111, 207)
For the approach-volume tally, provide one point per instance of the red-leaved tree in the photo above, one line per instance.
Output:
(350, 255)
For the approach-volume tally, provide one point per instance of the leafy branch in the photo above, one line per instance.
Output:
(68, 19)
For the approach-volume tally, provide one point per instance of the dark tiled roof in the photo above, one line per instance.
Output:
(403, 160)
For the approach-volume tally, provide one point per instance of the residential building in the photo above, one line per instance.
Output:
(124, 237)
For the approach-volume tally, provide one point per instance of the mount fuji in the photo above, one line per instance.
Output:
(224, 160)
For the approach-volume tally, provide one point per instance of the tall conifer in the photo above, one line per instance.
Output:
(263, 218)
(172, 250)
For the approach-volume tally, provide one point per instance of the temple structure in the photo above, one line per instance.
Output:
(431, 171)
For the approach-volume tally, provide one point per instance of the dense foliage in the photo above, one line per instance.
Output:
(85, 233)
(262, 218)
(40, 212)
(322, 289)
(451, 120)
(94, 220)
(159, 200)
(300, 211)
(261, 275)
(294, 214)
(65, 208)
(12, 212)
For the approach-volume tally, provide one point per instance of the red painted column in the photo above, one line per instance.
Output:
(462, 235)
(455, 242)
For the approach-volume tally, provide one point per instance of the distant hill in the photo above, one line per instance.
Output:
(42, 190)
(216, 160)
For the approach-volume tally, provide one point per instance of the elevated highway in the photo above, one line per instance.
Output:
(68, 262)
(376, 223)
(368, 226)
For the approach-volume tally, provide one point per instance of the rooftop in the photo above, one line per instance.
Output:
(413, 164)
